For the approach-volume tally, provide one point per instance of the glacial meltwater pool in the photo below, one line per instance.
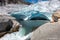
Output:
(30, 25)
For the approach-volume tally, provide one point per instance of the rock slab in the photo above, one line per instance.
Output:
(48, 31)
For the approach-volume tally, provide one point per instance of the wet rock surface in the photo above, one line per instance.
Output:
(7, 24)
(48, 31)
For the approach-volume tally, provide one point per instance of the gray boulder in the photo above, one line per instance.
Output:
(8, 24)
(5, 25)
(48, 31)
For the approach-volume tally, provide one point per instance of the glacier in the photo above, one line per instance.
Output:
(47, 7)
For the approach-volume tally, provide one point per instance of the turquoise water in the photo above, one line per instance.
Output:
(30, 25)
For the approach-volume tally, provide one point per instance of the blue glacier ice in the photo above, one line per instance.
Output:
(31, 14)
(31, 1)
(34, 1)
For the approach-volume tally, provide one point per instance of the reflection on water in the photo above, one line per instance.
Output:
(30, 25)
